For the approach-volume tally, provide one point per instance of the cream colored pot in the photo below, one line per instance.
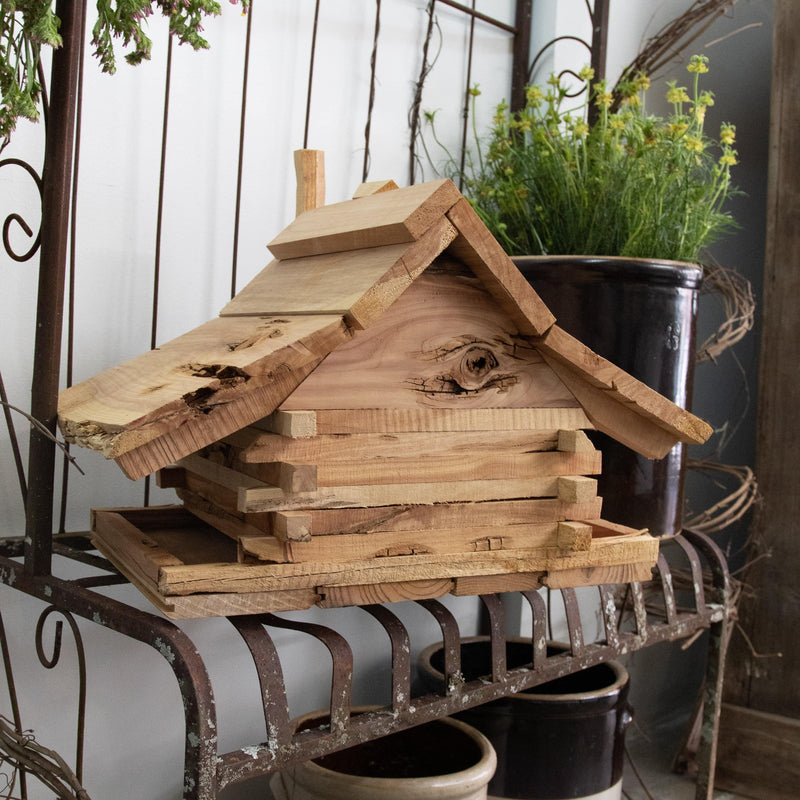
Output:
(441, 760)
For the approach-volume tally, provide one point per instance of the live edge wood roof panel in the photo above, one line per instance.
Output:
(339, 268)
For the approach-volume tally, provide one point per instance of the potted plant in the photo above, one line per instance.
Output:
(606, 208)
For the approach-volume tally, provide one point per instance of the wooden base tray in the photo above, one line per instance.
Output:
(188, 568)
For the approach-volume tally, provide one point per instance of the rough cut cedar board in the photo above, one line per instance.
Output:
(188, 569)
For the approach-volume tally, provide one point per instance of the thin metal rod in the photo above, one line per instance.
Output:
(57, 180)
(599, 19)
(478, 15)
(62, 519)
(12, 693)
(599, 49)
(159, 222)
(521, 54)
(160, 212)
(467, 97)
(237, 214)
(371, 103)
(425, 68)
(12, 435)
(311, 74)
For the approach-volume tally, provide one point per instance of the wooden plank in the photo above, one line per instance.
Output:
(333, 521)
(598, 575)
(135, 574)
(291, 526)
(493, 584)
(271, 549)
(374, 187)
(623, 422)
(255, 446)
(196, 389)
(249, 491)
(294, 478)
(466, 468)
(475, 465)
(157, 541)
(294, 424)
(395, 217)
(602, 527)
(576, 489)
(366, 495)
(605, 386)
(189, 579)
(477, 248)
(574, 441)
(386, 291)
(394, 592)
(444, 343)
(233, 604)
(139, 549)
(574, 535)
(758, 754)
(210, 605)
(380, 544)
(358, 285)
(409, 420)
(309, 167)
(319, 284)
(171, 478)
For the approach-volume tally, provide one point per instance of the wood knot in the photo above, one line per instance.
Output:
(476, 363)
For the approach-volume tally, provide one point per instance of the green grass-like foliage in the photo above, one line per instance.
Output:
(546, 181)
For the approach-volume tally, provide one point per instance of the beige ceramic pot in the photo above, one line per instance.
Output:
(441, 760)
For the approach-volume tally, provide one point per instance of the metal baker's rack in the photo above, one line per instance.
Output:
(634, 616)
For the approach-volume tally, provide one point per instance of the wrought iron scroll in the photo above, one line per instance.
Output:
(18, 219)
(50, 662)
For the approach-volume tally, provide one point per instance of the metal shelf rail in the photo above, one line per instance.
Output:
(638, 616)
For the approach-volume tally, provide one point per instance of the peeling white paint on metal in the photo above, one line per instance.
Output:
(455, 680)
(254, 751)
(165, 650)
(48, 591)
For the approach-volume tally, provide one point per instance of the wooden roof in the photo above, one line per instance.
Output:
(336, 270)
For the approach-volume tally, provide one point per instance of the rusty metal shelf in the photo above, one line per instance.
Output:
(634, 616)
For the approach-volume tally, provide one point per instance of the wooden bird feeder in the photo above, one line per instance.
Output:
(387, 411)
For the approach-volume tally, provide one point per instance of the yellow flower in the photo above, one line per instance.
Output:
(604, 99)
(616, 123)
(631, 100)
(706, 98)
(581, 129)
(698, 64)
(642, 82)
(475, 91)
(728, 158)
(727, 133)
(677, 94)
(678, 128)
(533, 95)
(700, 114)
(586, 74)
(693, 143)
